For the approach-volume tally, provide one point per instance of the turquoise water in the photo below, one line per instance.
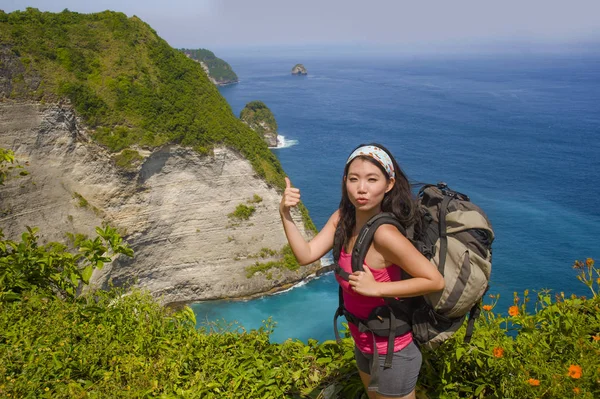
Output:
(520, 135)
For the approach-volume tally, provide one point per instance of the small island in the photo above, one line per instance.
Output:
(260, 119)
(299, 70)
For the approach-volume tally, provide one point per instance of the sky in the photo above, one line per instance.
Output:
(402, 24)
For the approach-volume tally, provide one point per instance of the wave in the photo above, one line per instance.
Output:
(325, 261)
(282, 142)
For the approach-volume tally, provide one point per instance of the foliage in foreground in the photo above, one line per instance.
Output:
(117, 344)
(129, 346)
(546, 349)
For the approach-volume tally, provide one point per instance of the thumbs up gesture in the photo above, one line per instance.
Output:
(291, 197)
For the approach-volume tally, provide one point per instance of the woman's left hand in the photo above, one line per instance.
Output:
(364, 283)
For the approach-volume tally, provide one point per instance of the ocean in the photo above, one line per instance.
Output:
(520, 134)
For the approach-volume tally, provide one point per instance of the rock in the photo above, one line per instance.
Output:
(299, 69)
(172, 208)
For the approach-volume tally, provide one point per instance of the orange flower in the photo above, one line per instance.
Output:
(513, 310)
(577, 390)
(596, 337)
(574, 371)
(498, 352)
(487, 307)
(589, 262)
(533, 382)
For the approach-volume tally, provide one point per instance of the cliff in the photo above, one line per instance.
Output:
(115, 126)
(260, 119)
(173, 207)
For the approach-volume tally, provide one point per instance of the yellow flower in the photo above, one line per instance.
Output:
(574, 371)
(533, 382)
(513, 311)
(589, 262)
(498, 352)
(46, 389)
(487, 307)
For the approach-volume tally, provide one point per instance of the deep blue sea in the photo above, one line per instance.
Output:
(519, 134)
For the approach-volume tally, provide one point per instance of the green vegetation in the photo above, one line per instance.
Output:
(264, 253)
(259, 117)
(242, 212)
(81, 202)
(51, 269)
(546, 349)
(127, 83)
(256, 199)
(8, 166)
(218, 69)
(56, 344)
(308, 223)
(128, 159)
(288, 261)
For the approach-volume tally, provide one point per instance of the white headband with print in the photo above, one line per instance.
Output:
(377, 154)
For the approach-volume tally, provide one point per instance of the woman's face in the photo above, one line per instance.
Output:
(366, 185)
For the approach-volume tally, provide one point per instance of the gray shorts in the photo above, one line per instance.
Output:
(401, 378)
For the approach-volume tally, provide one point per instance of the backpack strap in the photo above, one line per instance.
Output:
(443, 235)
(366, 234)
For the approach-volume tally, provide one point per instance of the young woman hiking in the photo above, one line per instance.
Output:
(372, 183)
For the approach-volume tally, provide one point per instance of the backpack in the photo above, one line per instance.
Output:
(456, 236)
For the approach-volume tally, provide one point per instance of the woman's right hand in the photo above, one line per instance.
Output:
(291, 197)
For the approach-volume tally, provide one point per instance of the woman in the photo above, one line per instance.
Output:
(372, 183)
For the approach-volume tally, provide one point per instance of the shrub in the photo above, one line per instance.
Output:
(51, 269)
(287, 261)
(242, 212)
(128, 159)
(547, 349)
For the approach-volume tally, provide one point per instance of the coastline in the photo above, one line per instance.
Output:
(176, 306)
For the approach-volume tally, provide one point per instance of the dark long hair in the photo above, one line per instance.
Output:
(399, 200)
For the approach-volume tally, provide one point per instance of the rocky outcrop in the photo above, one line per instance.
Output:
(299, 69)
(260, 119)
(172, 209)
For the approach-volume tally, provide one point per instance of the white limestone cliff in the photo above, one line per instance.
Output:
(172, 210)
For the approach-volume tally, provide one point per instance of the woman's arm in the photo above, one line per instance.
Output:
(305, 252)
(397, 249)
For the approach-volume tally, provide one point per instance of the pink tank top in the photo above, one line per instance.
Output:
(361, 306)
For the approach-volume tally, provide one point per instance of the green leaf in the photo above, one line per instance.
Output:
(460, 352)
(480, 389)
(86, 274)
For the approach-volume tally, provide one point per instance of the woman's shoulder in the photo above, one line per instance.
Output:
(388, 235)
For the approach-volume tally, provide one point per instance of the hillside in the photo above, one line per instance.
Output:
(117, 127)
(219, 71)
(126, 83)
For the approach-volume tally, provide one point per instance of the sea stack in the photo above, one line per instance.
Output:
(299, 69)
(260, 119)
